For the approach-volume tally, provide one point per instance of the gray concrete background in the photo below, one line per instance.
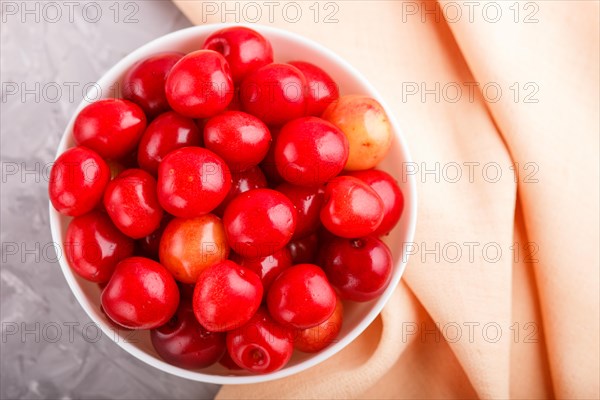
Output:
(49, 52)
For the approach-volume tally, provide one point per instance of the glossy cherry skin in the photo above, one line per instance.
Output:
(110, 127)
(262, 345)
(132, 204)
(226, 296)
(94, 246)
(304, 250)
(77, 181)
(266, 267)
(318, 337)
(352, 209)
(185, 343)
(387, 188)
(190, 245)
(244, 49)
(192, 181)
(168, 132)
(148, 245)
(321, 88)
(274, 93)
(310, 151)
(241, 182)
(259, 222)
(241, 139)
(144, 83)
(141, 294)
(301, 297)
(360, 269)
(200, 84)
(308, 202)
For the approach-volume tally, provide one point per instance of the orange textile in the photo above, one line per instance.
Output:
(501, 298)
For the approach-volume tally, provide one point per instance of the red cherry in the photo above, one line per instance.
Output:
(360, 269)
(259, 222)
(318, 337)
(260, 346)
(321, 90)
(301, 297)
(387, 188)
(141, 294)
(192, 181)
(274, 93)
(184, 343)
(244, 49)
(94, 246)
(304, 250)
(352, 209)
(144, 83)
(132, 204)
(226, 296)
(148, 246)
(266, 267)
(310, 151)
(110, 127)
(241, 182)
(308, 202)
(200, 85)
(77, 181)
(241, 139)
(168, 132)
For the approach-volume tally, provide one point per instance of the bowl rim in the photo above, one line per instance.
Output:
(106, 80)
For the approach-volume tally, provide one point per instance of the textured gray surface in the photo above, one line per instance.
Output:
(47, 350)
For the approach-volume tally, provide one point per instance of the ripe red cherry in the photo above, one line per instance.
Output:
(132, 204)
(190, 245)
(144, 83)
(318, 337)
(352, 209)
(94, 246)
(241, 139)
(321, 88)
(77, 181)
(192, 181)
(168, 132)
(360, 269)
(148, 246)
(262, 345)
(244, 49)
(304, 250)
(241, 182)
(141, 294)
(308, 202)
(274, 93)
(266, 267)
(387, 188)
(310, 151)
(200, 85)
(259, 222)
(301, 297)
(110, 127)
(226, 296)
(184, 343)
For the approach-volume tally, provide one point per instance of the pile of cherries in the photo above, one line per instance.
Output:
(229, 203)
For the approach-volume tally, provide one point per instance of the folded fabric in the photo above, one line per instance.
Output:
(500, 298)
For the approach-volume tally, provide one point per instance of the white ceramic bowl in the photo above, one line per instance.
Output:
(357, 316)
